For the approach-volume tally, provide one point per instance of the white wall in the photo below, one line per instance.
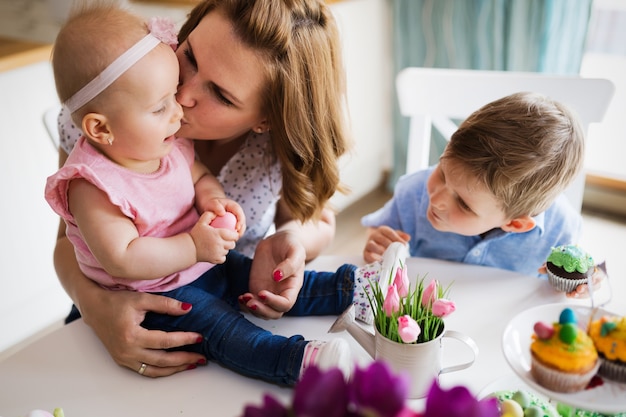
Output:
(31, 298)
(366, 34)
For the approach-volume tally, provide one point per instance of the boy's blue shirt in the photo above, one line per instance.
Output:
(525, 252)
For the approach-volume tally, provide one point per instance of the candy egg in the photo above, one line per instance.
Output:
(607, 327)
(568, 333)
(567, 316)
(521, 397)
(227, 221)
(534, 411)
(543, 331)
(511, 408)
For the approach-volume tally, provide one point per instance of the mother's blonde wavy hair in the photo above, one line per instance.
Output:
(304, 96)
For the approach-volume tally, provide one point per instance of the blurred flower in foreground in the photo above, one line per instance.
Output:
(458, 402)
(374, 391)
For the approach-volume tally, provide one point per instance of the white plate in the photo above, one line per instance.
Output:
(609, 397)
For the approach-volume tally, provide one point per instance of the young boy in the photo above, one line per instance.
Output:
(495, 197)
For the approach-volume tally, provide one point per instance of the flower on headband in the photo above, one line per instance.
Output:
(164, 30)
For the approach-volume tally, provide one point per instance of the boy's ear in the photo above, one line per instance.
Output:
(519, 225)
(96, 127)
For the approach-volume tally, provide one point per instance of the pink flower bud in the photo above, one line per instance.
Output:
(408, 329)
(402, 281)
(392, 301)
(430, 294)
(443, 307)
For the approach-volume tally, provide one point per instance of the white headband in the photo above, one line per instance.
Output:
(161, 30)
(111, 73)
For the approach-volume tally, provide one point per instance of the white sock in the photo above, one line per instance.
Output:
(394, 257)
(362, 278)
(325, 355)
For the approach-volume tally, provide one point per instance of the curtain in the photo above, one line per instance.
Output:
(514, 35)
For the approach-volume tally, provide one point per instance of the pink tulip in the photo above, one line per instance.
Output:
(402, 281)
(408, 329)
(430, 294)
(443, 307)
(392, 301)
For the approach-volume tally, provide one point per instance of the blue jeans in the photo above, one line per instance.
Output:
(233, 341)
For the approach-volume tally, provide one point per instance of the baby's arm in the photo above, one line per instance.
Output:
(114, 241)
(211, 200)
(378, 239)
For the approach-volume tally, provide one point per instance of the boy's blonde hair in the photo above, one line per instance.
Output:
(299, 45)
(526, 148)
(94, 35)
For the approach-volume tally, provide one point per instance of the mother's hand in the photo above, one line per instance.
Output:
(116, 319)
(276, 276)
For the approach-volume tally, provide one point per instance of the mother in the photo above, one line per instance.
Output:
(262, 90)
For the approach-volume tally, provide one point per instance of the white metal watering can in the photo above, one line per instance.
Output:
(421, 361)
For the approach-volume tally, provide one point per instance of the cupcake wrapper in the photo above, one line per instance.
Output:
(612, 370)
(564, 284)
(560, 381)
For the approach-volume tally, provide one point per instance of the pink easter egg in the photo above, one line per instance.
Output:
(227, 221)
(543, 331)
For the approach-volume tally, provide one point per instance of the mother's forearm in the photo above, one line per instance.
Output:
(315, 236)
(76, 284)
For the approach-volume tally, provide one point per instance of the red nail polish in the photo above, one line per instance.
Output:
(199, 339)
(185, 306)
(190, 367)
(253, 307)
(263, 297)
(278, 275)
(202, 362)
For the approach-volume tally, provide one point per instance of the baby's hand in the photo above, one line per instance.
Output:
(212, 244)
(233, 208)
(222, 206)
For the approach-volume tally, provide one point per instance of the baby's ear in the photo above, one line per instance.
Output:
(96, 128)
(519, 225)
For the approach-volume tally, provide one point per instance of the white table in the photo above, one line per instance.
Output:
(69, 368)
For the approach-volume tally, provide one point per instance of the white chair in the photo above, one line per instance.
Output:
(433, 96)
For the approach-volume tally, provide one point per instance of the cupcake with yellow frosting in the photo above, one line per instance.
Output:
(563, 356)
(609, 337)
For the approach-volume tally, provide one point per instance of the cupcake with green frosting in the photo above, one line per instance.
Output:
(521, 403)
(569, 266)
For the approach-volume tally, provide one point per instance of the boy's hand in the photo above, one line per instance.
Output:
(379, 239)
(583, 290)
